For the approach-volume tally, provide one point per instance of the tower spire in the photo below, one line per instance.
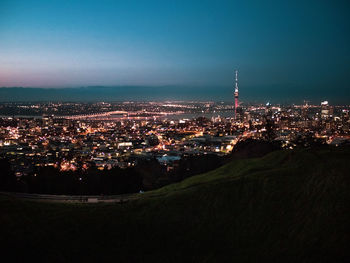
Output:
(236, 93)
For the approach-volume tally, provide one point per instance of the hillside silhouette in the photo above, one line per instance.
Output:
(288, 206)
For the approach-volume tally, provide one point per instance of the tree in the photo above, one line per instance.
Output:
(7, 178)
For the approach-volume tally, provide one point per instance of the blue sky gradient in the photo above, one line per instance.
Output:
(281, 48)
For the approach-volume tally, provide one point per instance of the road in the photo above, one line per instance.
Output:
(74, 198)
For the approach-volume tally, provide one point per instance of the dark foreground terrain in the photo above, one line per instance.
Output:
(289, 206)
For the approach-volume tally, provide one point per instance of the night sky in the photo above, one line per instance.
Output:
(284, 50)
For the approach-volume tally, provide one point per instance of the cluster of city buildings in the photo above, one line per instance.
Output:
(165, 131)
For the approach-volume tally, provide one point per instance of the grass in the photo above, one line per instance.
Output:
(289, 206)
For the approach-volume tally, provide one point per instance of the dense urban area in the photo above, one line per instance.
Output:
(146, 145)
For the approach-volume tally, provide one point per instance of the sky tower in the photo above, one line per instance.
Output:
(236, 92)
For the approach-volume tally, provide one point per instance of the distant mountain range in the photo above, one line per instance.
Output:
(274, 94)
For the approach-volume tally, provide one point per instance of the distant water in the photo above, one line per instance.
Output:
(22, 116)
(209, 115)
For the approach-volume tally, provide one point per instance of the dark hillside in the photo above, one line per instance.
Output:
(288, 206)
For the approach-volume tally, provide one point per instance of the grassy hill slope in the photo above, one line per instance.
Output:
(289, 206)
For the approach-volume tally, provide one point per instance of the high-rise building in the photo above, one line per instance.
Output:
(236, 93)
(325, 110)
(305, 111)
